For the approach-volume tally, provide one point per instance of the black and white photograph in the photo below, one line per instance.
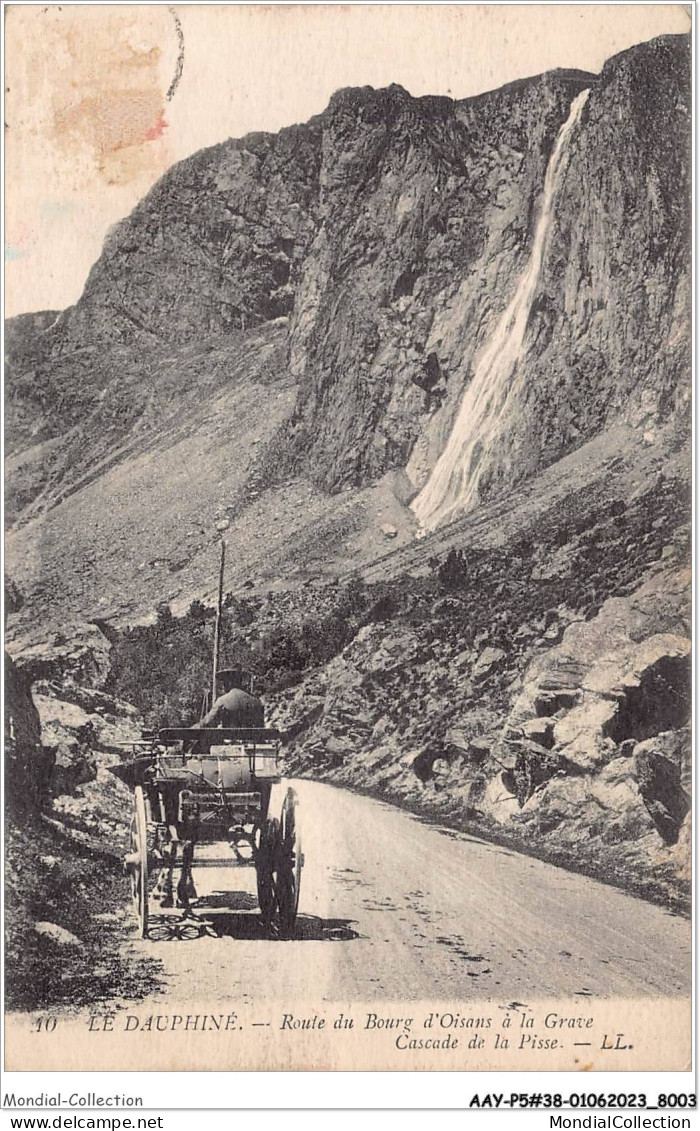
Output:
(347, 488)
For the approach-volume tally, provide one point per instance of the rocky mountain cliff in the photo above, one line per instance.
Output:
(289, 315)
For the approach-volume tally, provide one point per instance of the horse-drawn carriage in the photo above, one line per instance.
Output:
(197, 786)
(208, 784)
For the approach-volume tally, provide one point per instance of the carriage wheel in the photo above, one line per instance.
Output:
(138, 861)
(289, 864)
(265, 869)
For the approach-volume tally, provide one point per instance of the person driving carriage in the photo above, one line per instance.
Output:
(233, 707)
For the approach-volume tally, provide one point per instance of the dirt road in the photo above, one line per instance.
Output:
(395, 908)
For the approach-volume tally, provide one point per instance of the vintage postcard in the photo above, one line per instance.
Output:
(348, 525)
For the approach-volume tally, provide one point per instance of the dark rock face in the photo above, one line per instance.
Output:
(427, 208)
(663, 770)
(658, 700)
(214, 247)
(28, 763)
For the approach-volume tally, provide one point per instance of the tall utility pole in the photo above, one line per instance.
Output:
(217, 625)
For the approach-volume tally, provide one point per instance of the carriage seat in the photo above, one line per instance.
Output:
(232, 758)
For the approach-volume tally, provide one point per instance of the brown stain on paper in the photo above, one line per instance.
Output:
(116, 125)
(96, 81)
(113, 107)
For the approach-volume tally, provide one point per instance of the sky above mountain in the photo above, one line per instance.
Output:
(102, 100)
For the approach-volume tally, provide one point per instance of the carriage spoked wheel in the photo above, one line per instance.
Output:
(265, 856)
(137, 861)
(289, 864)
(279, 862)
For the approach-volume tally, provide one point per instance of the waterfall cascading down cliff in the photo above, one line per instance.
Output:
(453, 485)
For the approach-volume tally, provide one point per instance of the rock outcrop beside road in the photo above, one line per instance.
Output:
(67, 829)
(563, 730)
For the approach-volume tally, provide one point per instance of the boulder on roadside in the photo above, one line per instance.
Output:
(662, 769)
(498, 800)
(81, 653)
(540, 730)
(74, 765)
(58, 935)
(489, 661)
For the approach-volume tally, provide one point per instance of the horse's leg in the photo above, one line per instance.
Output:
(166, 877)
(185, 888)
(265, 791)
(191, 889)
